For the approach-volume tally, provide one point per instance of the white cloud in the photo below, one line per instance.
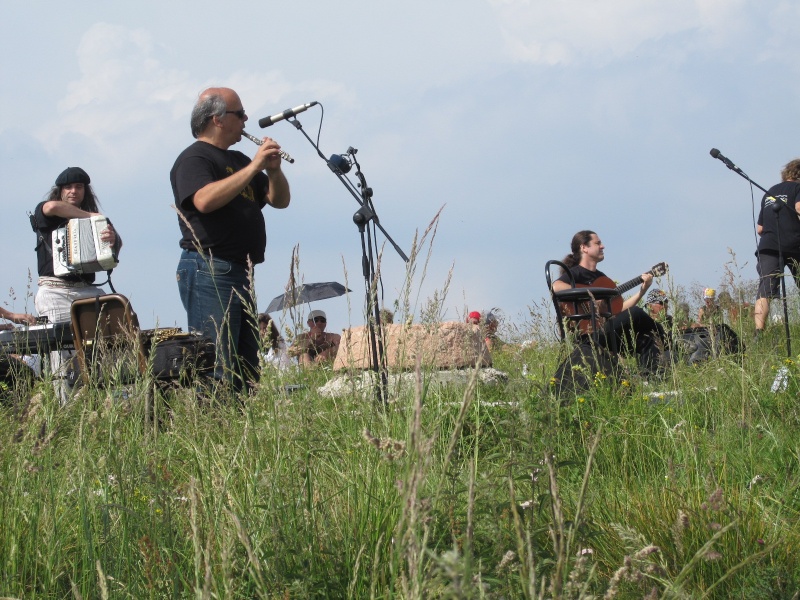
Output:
(592, 31)
(125, 101)
(122, 90)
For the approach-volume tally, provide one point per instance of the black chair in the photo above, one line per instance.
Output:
(574, 305)
(581, 302)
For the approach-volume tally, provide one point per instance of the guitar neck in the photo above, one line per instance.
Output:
(629, 285)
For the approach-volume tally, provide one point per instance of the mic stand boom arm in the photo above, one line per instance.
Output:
(363, 216)
(728, 163)
(348, 184)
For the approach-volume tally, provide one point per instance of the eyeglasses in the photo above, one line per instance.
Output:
(320, 320)
(239, 113)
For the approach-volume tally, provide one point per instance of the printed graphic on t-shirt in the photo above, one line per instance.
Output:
(770, 200)
(247, 192)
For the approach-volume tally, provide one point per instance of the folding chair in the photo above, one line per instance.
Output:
(577, 307)
(580, 311)
(106, 335)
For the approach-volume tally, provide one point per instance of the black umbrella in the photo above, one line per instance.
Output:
(308, 292)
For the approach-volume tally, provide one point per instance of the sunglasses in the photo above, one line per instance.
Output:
(320, 320)
(239, 113)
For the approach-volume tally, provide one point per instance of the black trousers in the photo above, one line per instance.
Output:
(633, 331)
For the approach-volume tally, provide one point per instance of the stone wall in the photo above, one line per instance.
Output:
(450, 345)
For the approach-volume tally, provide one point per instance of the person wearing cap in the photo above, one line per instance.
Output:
(71, 197)
(710, 313)
(219, 195)
(656, 305)
(316, 345)
(474, 318)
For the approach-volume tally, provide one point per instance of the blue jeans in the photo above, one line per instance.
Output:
(219, 304)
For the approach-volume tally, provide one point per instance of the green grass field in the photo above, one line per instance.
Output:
(684, 488)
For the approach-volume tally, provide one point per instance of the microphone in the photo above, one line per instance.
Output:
(289, 112)
(726, 161)
(340, 163)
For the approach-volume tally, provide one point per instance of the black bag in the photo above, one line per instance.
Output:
(14, 375)
(698, 344)
(181, 356)
(578, 371)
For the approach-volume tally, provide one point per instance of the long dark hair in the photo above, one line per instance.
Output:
(582, 238)
(90, 202)
(273, 337)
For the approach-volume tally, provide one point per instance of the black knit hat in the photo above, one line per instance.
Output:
(73, 175)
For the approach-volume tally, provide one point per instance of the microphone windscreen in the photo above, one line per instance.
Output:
(714, 152)
(340, 162)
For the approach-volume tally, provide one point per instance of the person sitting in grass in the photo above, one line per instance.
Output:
(710, 313)
(683, 316)
(491, 324)
(315, 346)
(275, 351)
(656, 305)
(734, 311)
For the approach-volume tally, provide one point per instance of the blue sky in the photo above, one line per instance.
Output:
(525, 120)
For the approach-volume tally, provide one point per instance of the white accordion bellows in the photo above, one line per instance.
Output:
(77, 247)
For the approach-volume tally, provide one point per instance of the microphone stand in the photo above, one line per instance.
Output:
(362, 218)
(776, 207)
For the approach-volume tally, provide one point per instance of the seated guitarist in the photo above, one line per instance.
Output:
(632, 329)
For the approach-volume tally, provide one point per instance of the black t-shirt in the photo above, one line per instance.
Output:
(786, 219)
(233, 232)
(582, 275)
(44, 227)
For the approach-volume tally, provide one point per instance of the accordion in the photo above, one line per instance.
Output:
(78, 249)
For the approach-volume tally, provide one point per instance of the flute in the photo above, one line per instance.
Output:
(284, 155)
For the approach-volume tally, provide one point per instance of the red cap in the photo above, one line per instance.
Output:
(474, 315)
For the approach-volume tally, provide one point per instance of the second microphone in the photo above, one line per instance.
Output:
(289, 112)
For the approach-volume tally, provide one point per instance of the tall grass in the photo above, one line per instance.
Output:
(681, 488)
(685, 489)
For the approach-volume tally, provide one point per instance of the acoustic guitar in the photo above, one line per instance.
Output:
(616, 302)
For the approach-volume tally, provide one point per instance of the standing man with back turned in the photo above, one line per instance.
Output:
(220, 194)
(777, 225)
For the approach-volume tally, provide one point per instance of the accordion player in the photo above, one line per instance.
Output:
(77, 247)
